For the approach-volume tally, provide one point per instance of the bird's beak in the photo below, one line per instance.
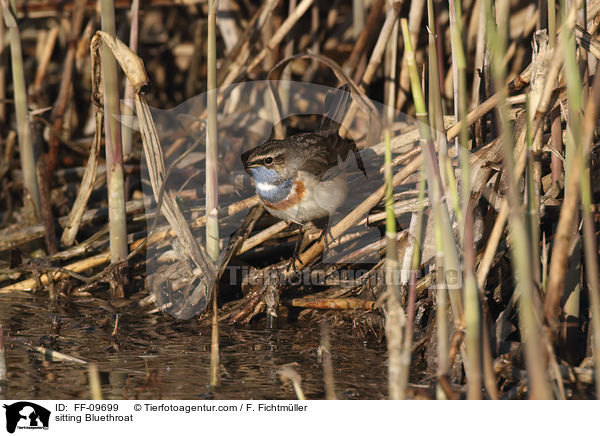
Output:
(245, 156)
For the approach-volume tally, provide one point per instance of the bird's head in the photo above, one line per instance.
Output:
(269, 162)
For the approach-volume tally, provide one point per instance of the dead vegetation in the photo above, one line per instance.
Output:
(482, 195)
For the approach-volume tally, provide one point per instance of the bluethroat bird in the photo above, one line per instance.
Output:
(302, 178)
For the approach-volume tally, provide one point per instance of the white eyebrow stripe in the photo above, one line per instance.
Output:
(265, 186)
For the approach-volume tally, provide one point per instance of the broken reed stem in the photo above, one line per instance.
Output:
(327, 363)
(212, 184)
(529, 320)
(114, 156)
(26, 150)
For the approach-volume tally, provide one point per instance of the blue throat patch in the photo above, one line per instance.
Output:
(269, 186)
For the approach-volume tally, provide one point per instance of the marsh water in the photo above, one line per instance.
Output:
(153, 356)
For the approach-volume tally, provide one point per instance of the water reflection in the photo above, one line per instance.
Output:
(155, 356)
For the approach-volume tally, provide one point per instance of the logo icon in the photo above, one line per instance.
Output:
(26, 415)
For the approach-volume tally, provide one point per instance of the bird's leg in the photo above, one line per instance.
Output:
(325, 231)
(296, 253)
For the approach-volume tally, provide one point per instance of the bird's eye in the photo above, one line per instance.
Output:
(268, 160)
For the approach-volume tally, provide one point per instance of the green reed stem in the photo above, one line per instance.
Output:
(395, 317)
(529, 316)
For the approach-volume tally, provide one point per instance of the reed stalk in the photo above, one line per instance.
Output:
(358, 17)
(447, 263)
(581, 133)
(212, 184)
(555, 124)
(128, 106)
(473, 325)
(395, 317)
(529, 316)
(94, 382)
(408, 278)
(26, 150)
(575, 91)
(450, 265)
(114, 155)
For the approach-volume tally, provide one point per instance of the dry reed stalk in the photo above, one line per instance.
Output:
(94, 382)
(540, 61)
(65, 92)
(126, 131)
(212, 183)
(590, 247)
(358, 17)
(491, 103)
(360, 46)
(45, 279)
(263, 236)
(44, 59)
(325, 350)
(410, 265)
(85, 189)
(376, 56)
(567, 219)
(287, 373)
(281, 32)
(114, 154)
(538, 117)
(26, 150)
(379, 50)
(415, 16)
(191, 250)
(333, 303)
(578, 184)
(238, 57)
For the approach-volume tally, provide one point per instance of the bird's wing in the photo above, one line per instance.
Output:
(325, 154)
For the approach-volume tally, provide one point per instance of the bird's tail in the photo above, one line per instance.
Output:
(336, 105)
